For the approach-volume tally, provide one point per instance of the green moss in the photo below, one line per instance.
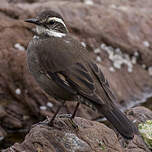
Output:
(145, 130)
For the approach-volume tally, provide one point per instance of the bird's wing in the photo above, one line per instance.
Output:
(104, 83)
(76, 77)
(73, 70)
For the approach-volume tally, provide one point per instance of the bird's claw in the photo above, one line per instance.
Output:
(70, 120)
(64, 116)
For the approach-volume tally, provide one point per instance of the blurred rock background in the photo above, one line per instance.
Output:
(116, 33)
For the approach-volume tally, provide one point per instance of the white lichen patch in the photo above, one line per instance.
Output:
(130, 69)
(113, 6)
(66, 41)
(98, 59)
(18, 91)
(1, 138)
(134, 60)
(88, 2)
(73, 143)
(83, 44)
(119, 58)
(136, 53)
(143, 66)
(103, 46)
(122, 8)
(146, 43)
(145, 130)
(19, 47)
(150, 70)
(112, 69)
(49, 104)
(43, 107)
(97, 51)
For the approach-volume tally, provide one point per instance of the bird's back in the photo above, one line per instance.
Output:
(63, 51)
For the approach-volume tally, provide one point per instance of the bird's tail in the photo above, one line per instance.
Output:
(120, 121)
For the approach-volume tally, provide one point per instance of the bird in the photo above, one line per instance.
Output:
(63, 68)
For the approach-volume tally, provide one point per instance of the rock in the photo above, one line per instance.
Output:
(88, 137)
(3, 133)
(138, 115)
(82, 135)
(145, 130)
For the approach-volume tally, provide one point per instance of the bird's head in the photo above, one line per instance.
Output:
(49, 23)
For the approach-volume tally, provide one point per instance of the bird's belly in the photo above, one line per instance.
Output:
(46, 83)
(50, 87)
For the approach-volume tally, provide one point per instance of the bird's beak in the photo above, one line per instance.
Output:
(33, 20)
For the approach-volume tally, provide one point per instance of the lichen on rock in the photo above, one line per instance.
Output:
(146, 131)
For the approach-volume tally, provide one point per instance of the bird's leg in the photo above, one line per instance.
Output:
(71, 117)
(75, 110)
(50, 123)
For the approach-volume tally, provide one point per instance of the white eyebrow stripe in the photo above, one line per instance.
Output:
(58, 20)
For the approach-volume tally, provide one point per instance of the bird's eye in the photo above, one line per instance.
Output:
(51, 22)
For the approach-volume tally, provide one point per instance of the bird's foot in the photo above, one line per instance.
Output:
(70, 120)
(64, 116)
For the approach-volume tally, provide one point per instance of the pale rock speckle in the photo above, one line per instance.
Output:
(19, 47)
(117, 64)
(112, 69)
(49, 104)
(133, 36)
(97, 51)
(136, 53)
(134, 60)
(67, 41)
(1, 138)
(118, 50)
(146, 44)
(98, 59)
(130, 69)
(102, 46)
(123, 8)
(18, 91)
(73, 143)
(113, 6)
(143, 66)
(88, 2)
(83, 44)
(43, 107)
(150, 70)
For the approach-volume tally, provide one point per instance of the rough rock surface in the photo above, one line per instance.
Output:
(88, 137)
(83, 136)
(138, 115)
(119, 24)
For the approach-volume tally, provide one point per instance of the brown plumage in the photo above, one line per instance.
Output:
(63, 68)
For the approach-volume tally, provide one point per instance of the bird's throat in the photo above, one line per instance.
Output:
(40, 30)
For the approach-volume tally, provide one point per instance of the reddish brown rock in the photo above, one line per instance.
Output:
(138, 115)
(3, 133)
(88, 137)
(83, 136)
